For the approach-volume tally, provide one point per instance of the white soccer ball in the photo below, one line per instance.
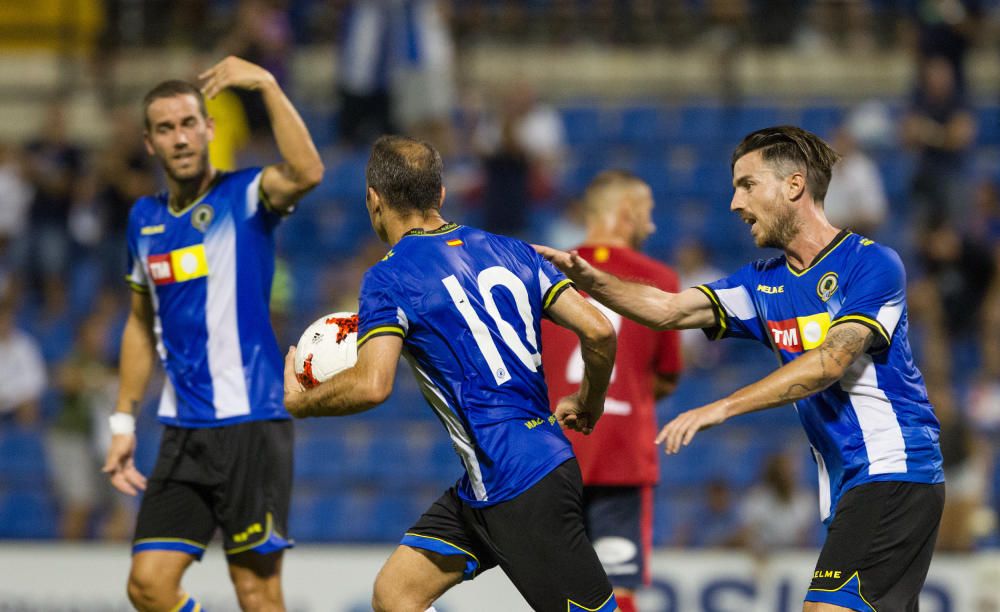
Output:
(327, 346)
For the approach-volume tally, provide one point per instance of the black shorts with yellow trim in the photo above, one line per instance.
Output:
(879, 547)
(236, 477)
(538, 539)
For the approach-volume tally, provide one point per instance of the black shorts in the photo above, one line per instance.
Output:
(619, 522)
(879, 547)
(237, 477)
(537, 538)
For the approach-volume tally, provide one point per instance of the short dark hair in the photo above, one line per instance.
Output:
(169, 89)
(406, 173)
(788, 148)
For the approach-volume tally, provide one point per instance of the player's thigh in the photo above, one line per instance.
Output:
(878, 547)
(157, 573)
(616, 519)
(542, 545)
(413, 578)
(257, 579)
(811, 606)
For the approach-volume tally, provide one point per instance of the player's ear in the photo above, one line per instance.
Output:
(149, 143)
(795, 186)
(210, 127)
(441, 201)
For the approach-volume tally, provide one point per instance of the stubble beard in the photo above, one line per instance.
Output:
(780, 232)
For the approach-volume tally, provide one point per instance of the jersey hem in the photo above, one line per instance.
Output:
(556, 460)
(246, 418)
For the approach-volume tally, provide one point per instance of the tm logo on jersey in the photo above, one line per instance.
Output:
(801, 333)
(179, 265)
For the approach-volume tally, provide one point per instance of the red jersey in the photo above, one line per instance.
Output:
(620, 452)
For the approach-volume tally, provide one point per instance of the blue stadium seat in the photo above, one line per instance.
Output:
(583, 125)
(22, 457)
(28, 513)
(988, 119)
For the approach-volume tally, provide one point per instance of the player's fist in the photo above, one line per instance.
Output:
(571, 413)
(234, 72)
(292, 384)
(572, 265)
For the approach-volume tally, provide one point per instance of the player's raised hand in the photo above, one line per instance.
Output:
(233, 72)
(572, 414)
(120, 465)
(680, 431)
(572, 265)
(292, 384)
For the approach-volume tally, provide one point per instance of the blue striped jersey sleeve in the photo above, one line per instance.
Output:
(380, 312)
(736, 314)
(875, 295)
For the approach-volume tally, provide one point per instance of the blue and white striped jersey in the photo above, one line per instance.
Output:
(208, 271)
(468, 305)
(876, 423)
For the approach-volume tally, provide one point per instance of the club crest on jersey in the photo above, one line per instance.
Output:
(201, 217)
(827, 286)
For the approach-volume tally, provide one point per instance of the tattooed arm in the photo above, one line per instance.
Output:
(805, 376)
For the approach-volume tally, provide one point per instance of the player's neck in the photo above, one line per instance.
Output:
(600, 237)
(816, 234)
(183, 193)
(399, 226)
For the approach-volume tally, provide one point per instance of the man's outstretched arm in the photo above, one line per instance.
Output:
(805, 376)
(357, 389)
(581, 410)
(644, 304)
(301, 168)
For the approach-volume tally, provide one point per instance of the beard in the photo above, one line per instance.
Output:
(193, 172)
(780, 230)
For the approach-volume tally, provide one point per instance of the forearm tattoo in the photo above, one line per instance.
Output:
(842, 346)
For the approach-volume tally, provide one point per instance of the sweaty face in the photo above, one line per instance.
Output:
(760, 201)
(178, 135)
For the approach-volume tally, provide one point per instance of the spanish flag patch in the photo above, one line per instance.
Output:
(455, 242)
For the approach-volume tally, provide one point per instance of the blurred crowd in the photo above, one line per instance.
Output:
(512, 168)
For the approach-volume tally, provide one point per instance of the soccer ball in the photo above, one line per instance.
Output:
(327, 346)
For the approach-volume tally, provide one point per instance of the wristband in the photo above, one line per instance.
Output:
(121, 423)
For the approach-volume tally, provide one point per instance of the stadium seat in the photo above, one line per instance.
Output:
(22, 457)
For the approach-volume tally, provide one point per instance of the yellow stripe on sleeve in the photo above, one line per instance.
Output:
(378, 331)
(720, 312)
(554, 291)
(869, 322)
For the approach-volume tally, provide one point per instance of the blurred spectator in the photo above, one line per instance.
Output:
(23, 367)
(261, 33)
(961, 270)
(16, 195)
(522, 147)
(694, 268)
(124, 173)
(946, 29)
(53, 167)
(777, 514)
(965, 468)
(568, 229)
(717, 520)
(941, 128)
(856, 197)
(396, 72)
(87, 383)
